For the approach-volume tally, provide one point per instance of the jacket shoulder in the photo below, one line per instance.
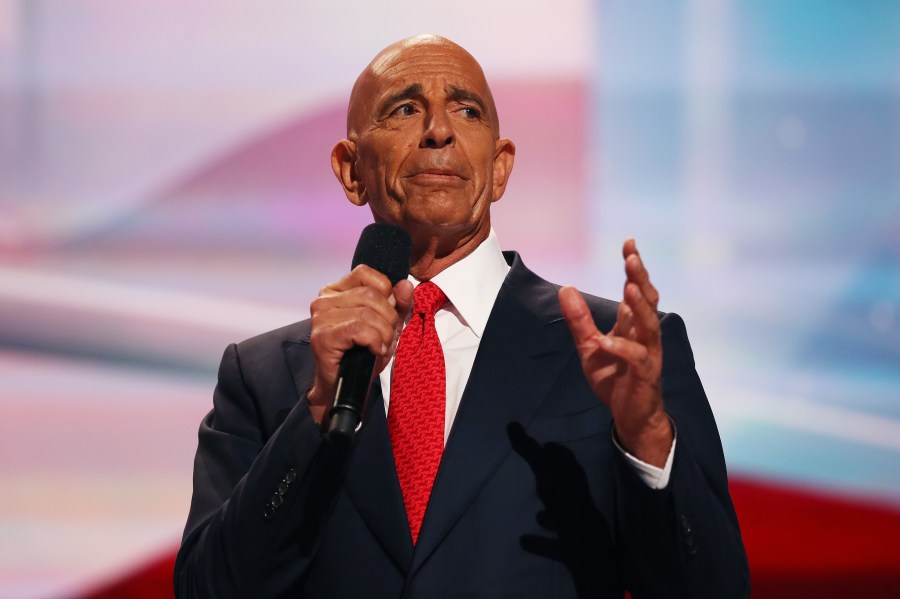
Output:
(274, 340)
(541, 296)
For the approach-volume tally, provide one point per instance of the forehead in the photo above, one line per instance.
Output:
(430, 65)
(436, 66)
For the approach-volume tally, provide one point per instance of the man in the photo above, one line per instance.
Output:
(560, 474)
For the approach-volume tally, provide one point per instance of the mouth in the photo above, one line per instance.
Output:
(437, 173)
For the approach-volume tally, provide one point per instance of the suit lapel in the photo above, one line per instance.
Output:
(372, 484)
(517, 361)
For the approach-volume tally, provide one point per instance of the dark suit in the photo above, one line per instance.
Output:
(531, 500)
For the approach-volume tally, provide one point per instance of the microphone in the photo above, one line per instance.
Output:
(386, 248)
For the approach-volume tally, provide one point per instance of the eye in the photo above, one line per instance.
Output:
(470, 112)
(404, 110)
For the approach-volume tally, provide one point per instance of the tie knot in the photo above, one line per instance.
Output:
(428, 298)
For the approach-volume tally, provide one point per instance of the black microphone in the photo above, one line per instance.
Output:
(387, 249)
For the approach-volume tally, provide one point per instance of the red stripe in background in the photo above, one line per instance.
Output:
(806, 544)
(800, 544)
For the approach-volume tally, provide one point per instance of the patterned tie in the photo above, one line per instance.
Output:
(416, 411)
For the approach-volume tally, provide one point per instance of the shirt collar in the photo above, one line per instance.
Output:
(472, 284)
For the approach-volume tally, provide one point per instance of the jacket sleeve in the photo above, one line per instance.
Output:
(684, 540)
(258, 498)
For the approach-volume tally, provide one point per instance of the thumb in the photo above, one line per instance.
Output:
(403, 293)
(577, 314)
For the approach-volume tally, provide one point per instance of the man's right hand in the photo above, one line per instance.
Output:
(360, 309)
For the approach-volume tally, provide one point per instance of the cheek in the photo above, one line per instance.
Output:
(481, 158)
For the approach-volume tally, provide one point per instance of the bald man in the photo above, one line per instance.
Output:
(579, 455)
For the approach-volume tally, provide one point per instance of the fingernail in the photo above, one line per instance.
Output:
(606, 342)
(392, 300)
(384, 349)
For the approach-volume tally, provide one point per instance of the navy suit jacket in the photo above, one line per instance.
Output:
(531, 499)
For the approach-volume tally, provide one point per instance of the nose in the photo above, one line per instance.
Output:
(438, 131)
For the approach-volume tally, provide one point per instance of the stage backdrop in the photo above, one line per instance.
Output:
(165, 189)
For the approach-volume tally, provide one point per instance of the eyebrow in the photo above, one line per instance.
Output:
(413, 91)
(457, 94)
(460, 94)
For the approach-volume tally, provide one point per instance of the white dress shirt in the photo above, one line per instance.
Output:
(471, 286)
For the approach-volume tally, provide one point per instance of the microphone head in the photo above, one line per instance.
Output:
(385, 247)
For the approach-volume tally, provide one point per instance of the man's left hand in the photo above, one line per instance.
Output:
(623, 367)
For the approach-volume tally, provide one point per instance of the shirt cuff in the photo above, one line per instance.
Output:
(654, 477)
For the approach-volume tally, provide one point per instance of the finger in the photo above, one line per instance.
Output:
(645, 319)
(363, 276)
(403, 295)
(624, 319)
(634, 353)
(366, 296)
(636, 272)
(339, 330)
(333, 333)
(358, 297)
(629, 247)
(577, 315)
(360, 316)
(361, 286)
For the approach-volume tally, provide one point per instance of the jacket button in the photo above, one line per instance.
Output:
(291, 476)
(691, 548)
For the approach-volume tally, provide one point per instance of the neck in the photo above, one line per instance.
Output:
(432, 254)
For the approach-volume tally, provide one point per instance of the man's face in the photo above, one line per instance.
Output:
(427, 153)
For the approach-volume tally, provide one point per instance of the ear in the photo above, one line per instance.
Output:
(504, 156)
(343, 163)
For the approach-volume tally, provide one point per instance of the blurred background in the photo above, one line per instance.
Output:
(165, 190)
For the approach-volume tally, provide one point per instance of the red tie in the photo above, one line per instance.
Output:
(418, 396)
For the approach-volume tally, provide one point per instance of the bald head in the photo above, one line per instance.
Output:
(396, 67)
(423, 149)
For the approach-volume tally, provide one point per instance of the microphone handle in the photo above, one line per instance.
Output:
(350, 395)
